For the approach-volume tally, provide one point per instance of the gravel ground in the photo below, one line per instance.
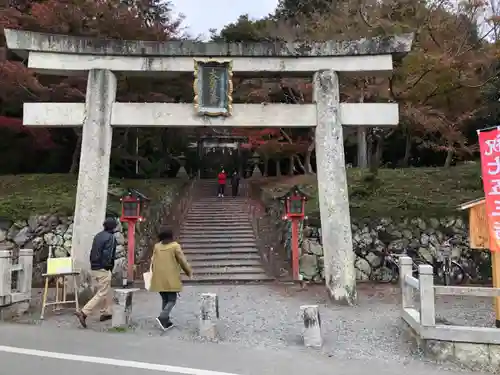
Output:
(268, 316)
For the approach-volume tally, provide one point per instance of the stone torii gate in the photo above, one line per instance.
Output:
(100, 58)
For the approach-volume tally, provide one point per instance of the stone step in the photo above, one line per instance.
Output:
(219, 202)
(198, 264)
(214, 227)
(218, 242)
(215, 232)
(228, 278)
(227, 270)
(218, 212)
(229, 257)
(209, 206)
(240, 236)
(225, 220)
(219, 250)
(220, 225)
(227, 216)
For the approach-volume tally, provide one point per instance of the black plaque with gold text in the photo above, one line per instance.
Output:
(213, 87)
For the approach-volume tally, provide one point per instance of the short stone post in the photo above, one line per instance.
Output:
(427, 301)
(122, 307)
(312, 326)
(405, 269)
(5, 276)
(25, 275)
(209, 314)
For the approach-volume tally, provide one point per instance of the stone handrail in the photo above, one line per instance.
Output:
(176, 215)
(423, 319)
(173, 218)
(466, 291)
(266, 250)
(24, 270)
(271, 247)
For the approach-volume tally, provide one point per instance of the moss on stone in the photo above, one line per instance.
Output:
(394, 193)
(24, 195)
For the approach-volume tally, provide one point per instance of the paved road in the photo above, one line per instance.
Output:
(25, 350)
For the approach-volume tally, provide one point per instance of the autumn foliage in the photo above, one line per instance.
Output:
(446, 87)
(440, 85)
(130, 19)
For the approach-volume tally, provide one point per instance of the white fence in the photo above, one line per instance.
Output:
(24, 270)
(422, 316)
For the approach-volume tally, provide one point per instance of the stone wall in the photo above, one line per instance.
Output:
(422, 237)
(41, 232)
(48, 231)
(371, 236)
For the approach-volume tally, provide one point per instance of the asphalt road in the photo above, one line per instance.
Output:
(25, 350)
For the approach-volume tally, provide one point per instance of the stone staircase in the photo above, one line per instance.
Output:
(218, 240)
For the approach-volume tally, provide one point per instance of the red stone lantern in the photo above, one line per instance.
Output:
(294, 207)
(131, 208)
(132, 204)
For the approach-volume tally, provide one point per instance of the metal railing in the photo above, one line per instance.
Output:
(422, 317)
(21, 292)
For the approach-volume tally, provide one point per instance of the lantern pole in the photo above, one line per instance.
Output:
(131, 251)
(295, 248)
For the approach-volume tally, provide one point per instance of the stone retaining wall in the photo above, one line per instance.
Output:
(40, 232)
(49, 231)
(371, 236)
(476, 356)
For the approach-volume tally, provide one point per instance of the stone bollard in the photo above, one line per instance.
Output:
(312, 326)
(209, 308)
(122, 307)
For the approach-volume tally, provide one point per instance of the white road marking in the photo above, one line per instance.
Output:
(110, 361)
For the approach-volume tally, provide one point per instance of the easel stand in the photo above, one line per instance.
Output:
(61, 291)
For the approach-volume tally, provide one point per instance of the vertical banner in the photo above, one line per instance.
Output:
(489, 145)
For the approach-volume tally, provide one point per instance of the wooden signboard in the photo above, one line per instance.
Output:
(213, 87)
(59, 266)
(478, 224)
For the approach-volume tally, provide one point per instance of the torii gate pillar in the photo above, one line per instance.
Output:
(340, 276)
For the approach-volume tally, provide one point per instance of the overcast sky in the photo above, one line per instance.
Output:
(202, 15)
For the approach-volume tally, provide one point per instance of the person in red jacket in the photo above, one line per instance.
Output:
(221, 178)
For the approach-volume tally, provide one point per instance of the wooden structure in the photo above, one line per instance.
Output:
(478, 223)
(479, 239)
(60, 269)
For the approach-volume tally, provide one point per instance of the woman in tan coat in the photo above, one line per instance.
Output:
(166, 264)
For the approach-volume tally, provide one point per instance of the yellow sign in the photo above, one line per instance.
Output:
(57, 266)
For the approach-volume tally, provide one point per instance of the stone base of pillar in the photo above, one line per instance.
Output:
(182, 173)
(122, 307)
(312, 326)
(209, 315)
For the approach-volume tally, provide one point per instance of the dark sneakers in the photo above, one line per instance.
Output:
(105, 318)
(164, 325)
(81, 318)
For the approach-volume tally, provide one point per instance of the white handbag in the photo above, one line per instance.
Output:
(147, 276)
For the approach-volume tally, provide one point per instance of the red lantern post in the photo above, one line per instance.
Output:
(294, 211)
(131, 214)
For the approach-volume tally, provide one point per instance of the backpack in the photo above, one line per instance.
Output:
(108, 252)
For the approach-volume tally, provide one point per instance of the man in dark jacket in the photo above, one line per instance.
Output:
(102, 262)
(235, 183)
